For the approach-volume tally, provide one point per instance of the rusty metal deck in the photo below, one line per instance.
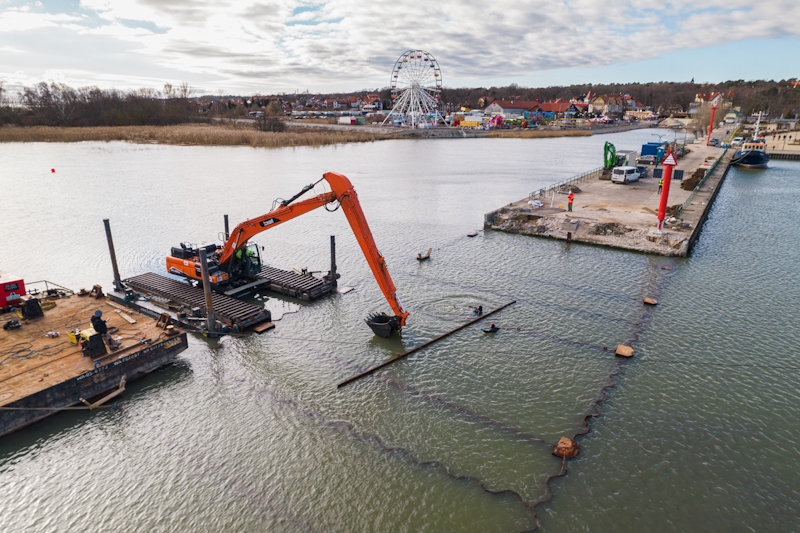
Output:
(227, 309)
(306, 288)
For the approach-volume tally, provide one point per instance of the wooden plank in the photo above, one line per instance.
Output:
(421, 346)
(126, 316)
(109, 396)
(264, 326)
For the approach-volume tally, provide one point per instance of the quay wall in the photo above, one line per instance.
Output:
(616, 227)
(790, 156)
(698, 228)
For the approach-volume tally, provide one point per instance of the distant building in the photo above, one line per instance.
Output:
(705, 98)
(555, 108)
(372, 102)
(733, 116)
(509, 108)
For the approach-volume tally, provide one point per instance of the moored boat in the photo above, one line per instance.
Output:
(752, 153)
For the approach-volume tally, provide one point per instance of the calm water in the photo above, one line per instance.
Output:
(251, 434)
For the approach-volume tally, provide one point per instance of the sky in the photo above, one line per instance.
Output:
(273, 46)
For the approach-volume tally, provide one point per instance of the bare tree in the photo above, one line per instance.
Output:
(699, 124)
(57, 100)
(168, 90)
(184, 90)
(267, 123)
(147, 92)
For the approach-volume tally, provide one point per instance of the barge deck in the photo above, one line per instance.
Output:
(303, 287)
(41, 375)
(181, 299)
(227, 309)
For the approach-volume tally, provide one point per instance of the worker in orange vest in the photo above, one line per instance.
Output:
(570, 197)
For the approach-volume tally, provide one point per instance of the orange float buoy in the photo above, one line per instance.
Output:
(566, 448)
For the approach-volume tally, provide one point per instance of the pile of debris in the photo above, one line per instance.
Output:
(690, 183)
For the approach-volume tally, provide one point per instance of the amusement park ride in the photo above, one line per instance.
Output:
(416, 84)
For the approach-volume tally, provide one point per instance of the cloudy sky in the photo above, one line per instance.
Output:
(345, 45)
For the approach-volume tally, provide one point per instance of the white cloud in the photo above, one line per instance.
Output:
(282, 44)
(16, 20)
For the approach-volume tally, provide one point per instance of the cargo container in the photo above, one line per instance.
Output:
(12, 288)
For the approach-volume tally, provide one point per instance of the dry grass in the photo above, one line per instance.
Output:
(189, 134)
(538, 134)
(231, 135)
(324, 120)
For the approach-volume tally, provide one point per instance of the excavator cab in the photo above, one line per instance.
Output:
(247, 261)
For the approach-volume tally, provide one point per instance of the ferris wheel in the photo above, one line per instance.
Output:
(416, 85)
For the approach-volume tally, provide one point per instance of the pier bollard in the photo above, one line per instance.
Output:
(210, 318)
(115, 268)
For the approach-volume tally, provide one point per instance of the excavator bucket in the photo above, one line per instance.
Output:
(383, 325)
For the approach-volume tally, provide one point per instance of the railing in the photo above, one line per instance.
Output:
(34, 288)
(700, 183)
(560, 187)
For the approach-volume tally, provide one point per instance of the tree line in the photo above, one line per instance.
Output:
(58, 104)
(778, 98)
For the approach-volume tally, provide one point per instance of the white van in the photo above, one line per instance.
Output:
(625, 174)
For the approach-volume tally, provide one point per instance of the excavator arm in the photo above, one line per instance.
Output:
(343, 192)
(348, 199)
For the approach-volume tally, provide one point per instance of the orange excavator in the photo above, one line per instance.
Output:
(238, 261)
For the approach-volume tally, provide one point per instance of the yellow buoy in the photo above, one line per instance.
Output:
(624, 350)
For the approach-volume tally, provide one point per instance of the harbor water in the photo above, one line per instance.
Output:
(698, 431)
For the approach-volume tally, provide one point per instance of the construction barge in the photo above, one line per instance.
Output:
(218, 276)
(52, 359)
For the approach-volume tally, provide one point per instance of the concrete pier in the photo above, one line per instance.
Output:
(624, 216)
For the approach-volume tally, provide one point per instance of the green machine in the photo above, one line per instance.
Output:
(609, 156)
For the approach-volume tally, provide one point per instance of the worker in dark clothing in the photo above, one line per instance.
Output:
(99, 325)
(570, 198)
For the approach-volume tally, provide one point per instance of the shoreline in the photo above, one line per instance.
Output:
(238, 134)
(188, 135)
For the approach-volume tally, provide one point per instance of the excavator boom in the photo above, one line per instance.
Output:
(348, 199)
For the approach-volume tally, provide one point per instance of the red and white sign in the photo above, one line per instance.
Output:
(670, 160)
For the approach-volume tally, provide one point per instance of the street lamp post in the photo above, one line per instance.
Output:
(659, 143)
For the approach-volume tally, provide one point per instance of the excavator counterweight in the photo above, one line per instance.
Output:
(236, 260)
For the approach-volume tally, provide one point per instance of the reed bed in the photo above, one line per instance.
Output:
(189, 134)
(232, 135)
